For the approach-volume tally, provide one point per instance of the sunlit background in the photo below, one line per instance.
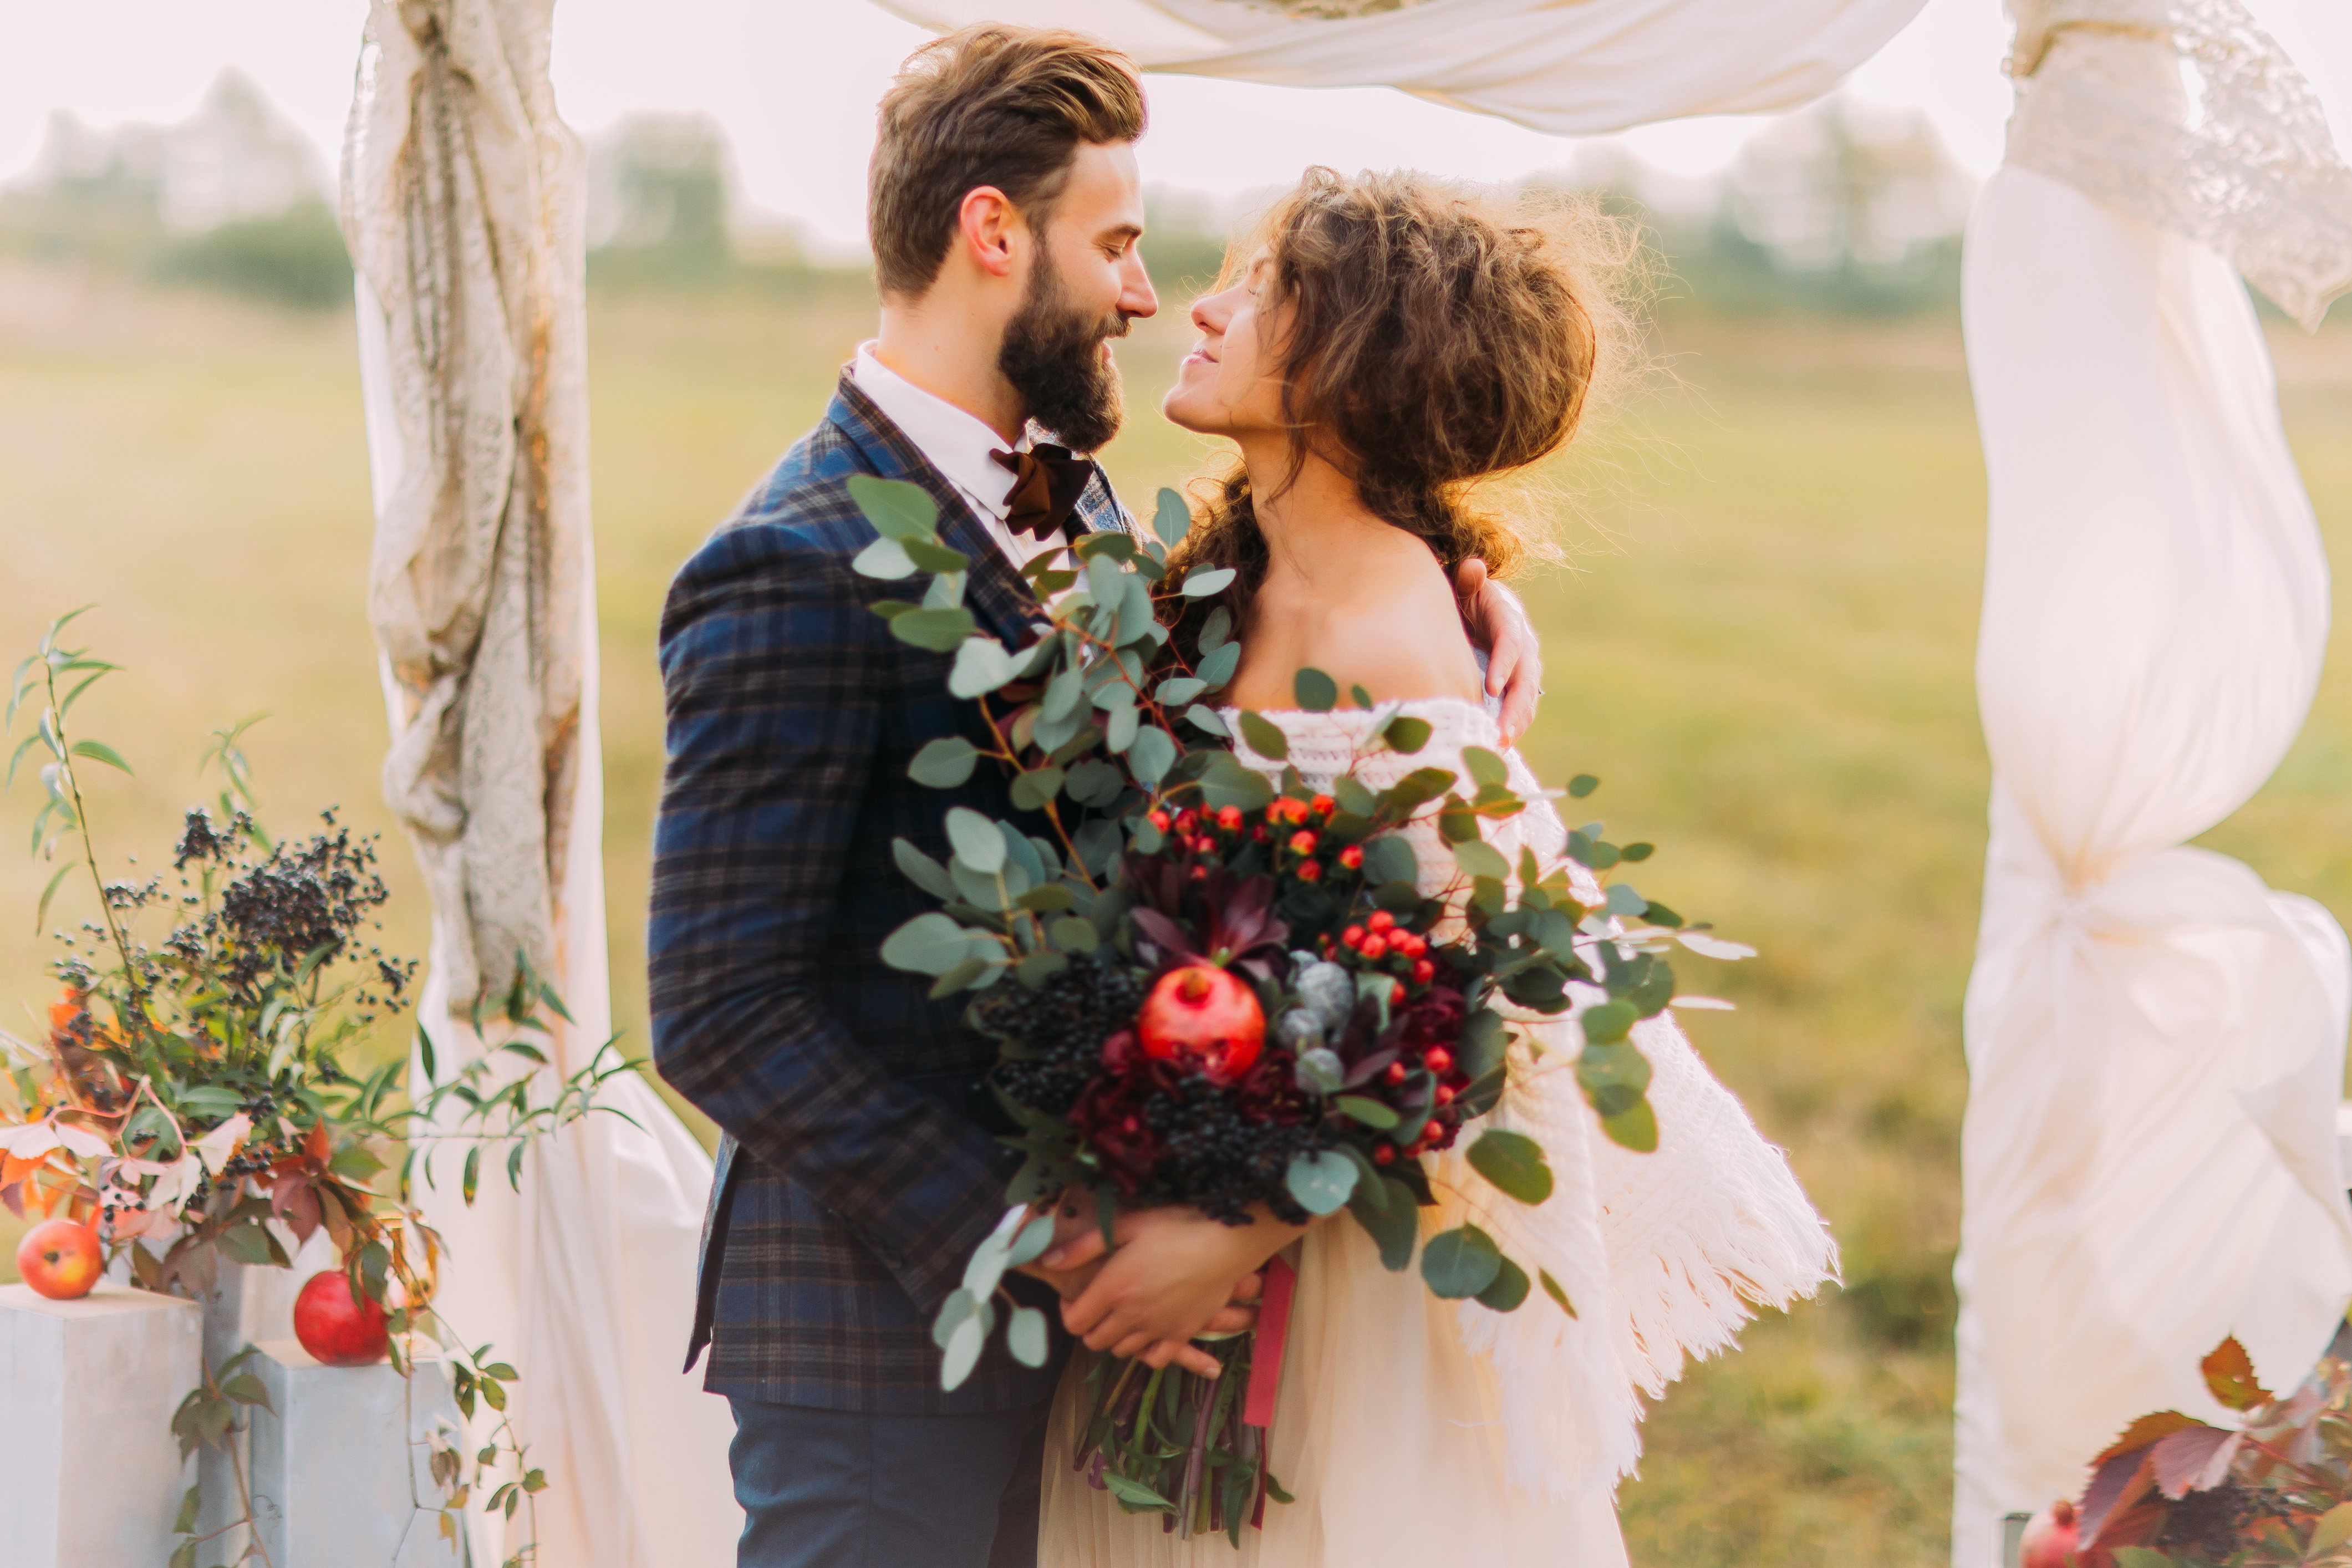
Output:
(1762, 642)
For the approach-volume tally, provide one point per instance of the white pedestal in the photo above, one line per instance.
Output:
(340, 1468)
(91, 1476)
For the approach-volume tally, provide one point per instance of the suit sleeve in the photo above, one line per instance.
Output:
(775, 674)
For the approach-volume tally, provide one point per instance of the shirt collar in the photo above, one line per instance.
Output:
(957, 443)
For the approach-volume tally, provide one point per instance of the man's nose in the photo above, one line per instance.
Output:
(1137, 298)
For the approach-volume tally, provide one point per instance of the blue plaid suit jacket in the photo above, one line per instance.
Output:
(860, 1166)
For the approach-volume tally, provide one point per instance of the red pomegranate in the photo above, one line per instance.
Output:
(60, 1259)
(2049, 1541)
(336, 1329)
(1204, 1015)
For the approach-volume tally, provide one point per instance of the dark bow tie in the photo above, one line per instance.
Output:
(1047, 484)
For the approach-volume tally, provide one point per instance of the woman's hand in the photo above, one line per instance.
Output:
(1175, 1273)
(1498, 623)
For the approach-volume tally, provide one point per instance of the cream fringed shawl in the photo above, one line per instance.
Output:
(1409, 1427)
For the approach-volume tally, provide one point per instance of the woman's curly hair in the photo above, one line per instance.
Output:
(1434, 335)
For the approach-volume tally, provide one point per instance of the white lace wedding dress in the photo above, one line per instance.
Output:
(1417, 1431)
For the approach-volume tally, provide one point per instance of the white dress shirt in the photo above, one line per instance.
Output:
(957, 444)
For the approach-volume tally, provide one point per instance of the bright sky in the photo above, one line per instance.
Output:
(794, 83)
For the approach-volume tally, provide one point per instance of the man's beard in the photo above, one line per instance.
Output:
(1054, 357)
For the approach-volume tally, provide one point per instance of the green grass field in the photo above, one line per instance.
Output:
(1763, 646)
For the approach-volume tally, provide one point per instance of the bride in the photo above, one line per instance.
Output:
(1380, 345)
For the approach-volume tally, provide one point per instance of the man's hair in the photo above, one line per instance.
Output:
(992, 105)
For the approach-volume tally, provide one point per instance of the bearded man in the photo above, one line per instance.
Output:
(860, 1165)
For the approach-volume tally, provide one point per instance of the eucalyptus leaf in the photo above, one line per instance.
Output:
(1315, 691)
(1063, 692)
(886, 558)
(1485, 766)
(921, 869)
(1073, 935)
(1200, 584)
(932, 556)
(1179, 689)
(1264, 737)
(1395, 1225)
(898, 509)
(1479, 859)
(1217, 666)
(1514, 1163)
(1151, 755)
(1405, 733)
(1321, 1182)
(1171, 520)
(963, 1349)
(931, 943)
(1460, 1262)
(1508, 1290)
(1026, 1335)
(982, 666)
(1635, 1128)
(1208, 720)
(1623, 900)
(1370, 1113)
(978, 843)
(944, 763)
(940, 630)
(1035, 789)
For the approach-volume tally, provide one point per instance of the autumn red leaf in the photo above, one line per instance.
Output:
(2144, 1433)
(2229, 1374)
(2196, 1458)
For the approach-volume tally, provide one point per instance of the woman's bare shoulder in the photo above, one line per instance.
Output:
(1406, 644)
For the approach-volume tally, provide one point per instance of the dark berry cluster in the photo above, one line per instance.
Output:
(301, 899)
(1219, 1150)
(1060, 1028)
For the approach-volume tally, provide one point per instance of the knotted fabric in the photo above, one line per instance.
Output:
(1047, 484)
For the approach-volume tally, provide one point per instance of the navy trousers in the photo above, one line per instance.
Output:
(831, 1488)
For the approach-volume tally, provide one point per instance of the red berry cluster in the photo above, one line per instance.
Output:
(1380, 944)
(1302, 852)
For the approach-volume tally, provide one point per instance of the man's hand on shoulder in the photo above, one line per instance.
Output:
(1498, 623)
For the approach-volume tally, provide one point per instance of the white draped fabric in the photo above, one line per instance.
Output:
(1567, 66)
(462, 194)
(2155, 1038)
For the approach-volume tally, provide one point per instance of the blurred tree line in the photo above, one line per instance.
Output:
(1842, 210)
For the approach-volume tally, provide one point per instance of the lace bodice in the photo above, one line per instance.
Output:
(2185, 113)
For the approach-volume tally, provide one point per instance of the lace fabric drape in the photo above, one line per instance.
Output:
(2186, 114)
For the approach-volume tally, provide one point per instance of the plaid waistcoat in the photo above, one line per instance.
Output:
(860, 1166)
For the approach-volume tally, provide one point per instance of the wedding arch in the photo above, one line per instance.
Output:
(2155, 1038)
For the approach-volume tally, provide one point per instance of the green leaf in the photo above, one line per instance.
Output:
(1218, 666)
(1264, 737)
(1316, 691)
(1405, 733)
(98, 751)
(1134, 1494)
(184, 1554)
(1178, 690)
(187, 1520)
(979, 842)
(1321, 1182)
(1034, 790)
(1370, 1113)
(897, 508)
(1208, 721)
(1388, 859)
(956, 979)
(1217, 630)
(1228, 781)
(1551, 1288)
(1623, 900)
(1052, 899)
(41, 914)
(246, 1389)
(1150, 756)
(931, 943)
(886, 558)
(1073, 935)
(2147, 1557)
(981, 665)
(1171, 520)
(247, 1244)
(1460, 1262)
(921, 869)
(1582, 785)
(932, 556)
(1039, 967)
(1609, 1022)
(1514, 1163)
(1025, 1337)
(1637, 852)
(1508, 1289)
(1121, 726)
(1637, 1129)
(2334, 1529)
(1200, 584)
(941, 631)
(1479, 859)
(1393, 1219)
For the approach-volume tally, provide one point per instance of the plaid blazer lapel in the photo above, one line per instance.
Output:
(992, 591)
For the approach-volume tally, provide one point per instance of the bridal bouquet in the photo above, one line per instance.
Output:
(1212, 988)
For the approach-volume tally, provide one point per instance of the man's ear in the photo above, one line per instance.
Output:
(990, 229)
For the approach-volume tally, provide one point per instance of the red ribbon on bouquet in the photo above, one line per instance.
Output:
(1265, 1356)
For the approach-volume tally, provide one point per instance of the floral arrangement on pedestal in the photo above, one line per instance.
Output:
(2173, 1491)
(198, 1100)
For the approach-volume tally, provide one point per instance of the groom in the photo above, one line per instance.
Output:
(860, 1165)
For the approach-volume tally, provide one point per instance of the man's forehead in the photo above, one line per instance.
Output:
(1106, 186)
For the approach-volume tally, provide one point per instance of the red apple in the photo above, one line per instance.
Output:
(60, 1259)
(1205, 1016)
(336, 1329)
(2049, 1541)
